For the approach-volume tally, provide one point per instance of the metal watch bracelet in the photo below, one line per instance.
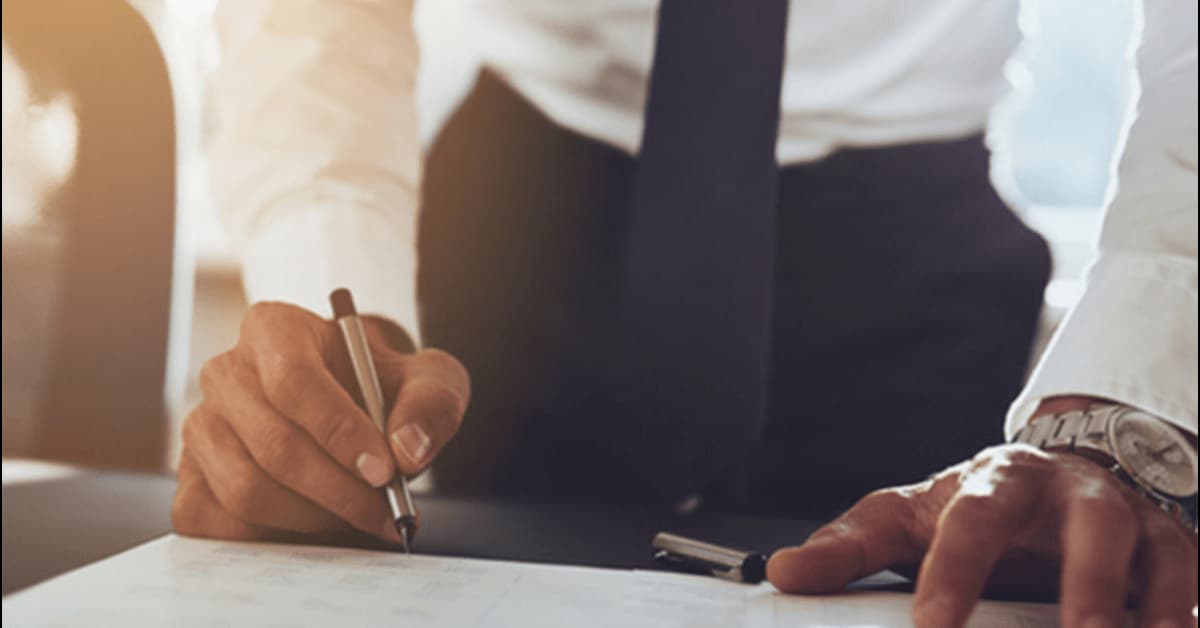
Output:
(1088, 430)
(1068, 430)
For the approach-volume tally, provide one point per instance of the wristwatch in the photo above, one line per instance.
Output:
(1145, 451)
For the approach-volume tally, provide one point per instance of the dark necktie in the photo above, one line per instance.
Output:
(695, 299)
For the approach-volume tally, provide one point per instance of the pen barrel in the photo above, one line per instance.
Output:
(699, 550)
(400, 499)
(680, 552)
(364, 369)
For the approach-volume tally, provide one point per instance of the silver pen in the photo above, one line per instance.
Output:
(399, 499)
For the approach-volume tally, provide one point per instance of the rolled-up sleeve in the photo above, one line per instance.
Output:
(314, 152)
(1133, 335)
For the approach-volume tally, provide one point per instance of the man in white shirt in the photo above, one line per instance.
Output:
(901, 293)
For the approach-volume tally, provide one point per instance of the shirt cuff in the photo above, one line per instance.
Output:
(1132, 338)
(302, 255)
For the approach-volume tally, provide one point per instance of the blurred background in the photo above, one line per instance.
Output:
(118, 283)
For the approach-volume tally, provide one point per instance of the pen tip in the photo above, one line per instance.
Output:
(405, 540)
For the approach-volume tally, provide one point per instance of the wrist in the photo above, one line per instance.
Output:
(1065, 403)
(1070, 403)
(1154, 457)
(1054, 406)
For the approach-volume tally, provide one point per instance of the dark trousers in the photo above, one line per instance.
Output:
(907, 295)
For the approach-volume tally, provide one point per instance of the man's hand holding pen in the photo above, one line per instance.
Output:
(279, 449)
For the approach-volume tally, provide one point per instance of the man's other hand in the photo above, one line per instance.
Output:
(1012, 518)
(280, 450)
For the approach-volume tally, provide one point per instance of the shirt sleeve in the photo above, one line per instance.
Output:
(1132, 336)
(314, 152)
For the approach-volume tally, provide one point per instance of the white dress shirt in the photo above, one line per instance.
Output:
(317, 167)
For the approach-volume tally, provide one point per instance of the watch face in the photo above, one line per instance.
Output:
(1154, 453)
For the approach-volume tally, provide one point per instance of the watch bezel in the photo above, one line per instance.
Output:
(1133, 471)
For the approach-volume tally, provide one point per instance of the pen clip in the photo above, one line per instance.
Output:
(690, 555)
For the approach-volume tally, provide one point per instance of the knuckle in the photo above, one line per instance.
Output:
(887, 504)
(1026, 457)
(1096, 500)
(886, 498)
(269, 323)
(973, 510)
(261, 316)
(1001, 468)
(209, 377)
(188, 432)
(237, 371)
(215, 373)
(1010, 456)
(276, 451)
(285, 383)
(876, 511)
(837, 529)
(194, 427)
(1020, 476)
(986, 456)
(338, 434)
(255, 320)
(435, 399)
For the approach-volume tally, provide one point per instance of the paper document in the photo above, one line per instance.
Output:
(862, 609)
(176, 581)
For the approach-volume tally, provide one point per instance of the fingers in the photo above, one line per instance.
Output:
(1011, 502)
(973, 531)
(429, 408)
(284, 347)
(1166, 560)
(280, 445)
(293, 459)
(869, 537)
(196, 512)
(332, 499)
(1098, 537)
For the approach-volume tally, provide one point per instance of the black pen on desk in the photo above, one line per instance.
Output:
(399, 498)
(679, 552)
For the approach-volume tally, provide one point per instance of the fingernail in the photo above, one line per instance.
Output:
(413, 441)
(372, 468)
(1098, 621)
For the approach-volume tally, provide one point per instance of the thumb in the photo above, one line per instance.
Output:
(869, 537)
(429, 408)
